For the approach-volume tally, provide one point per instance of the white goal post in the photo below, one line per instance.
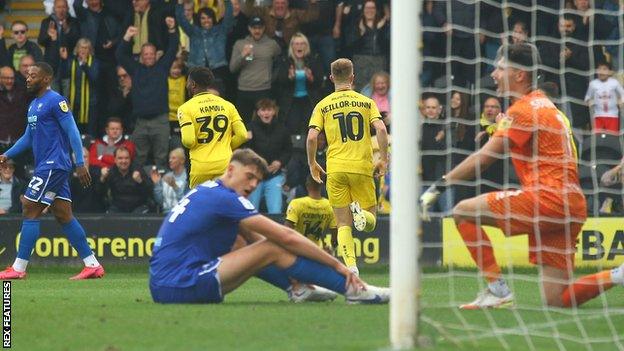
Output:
(405, 245)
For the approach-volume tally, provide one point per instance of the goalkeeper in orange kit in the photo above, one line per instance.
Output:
(550, 206)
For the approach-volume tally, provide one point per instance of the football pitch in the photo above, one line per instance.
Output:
(50, 312)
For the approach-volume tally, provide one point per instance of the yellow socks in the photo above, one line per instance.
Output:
(371, 221)
(346, 246)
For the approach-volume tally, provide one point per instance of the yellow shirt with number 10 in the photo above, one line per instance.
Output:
(346, 118)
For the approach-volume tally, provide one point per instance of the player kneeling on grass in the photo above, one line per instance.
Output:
(193, 262)
(312, 216)
(550, 206)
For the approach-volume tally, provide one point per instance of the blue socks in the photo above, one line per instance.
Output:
(30, 233)
(77, 238)
(312, 272)
(274, 276)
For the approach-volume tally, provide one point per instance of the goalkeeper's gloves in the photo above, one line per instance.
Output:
(430, 197)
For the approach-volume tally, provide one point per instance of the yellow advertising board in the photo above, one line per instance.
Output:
(600, 244)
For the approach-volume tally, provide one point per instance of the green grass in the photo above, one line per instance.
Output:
(116, 313)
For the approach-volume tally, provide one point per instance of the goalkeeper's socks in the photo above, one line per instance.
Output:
(480, 247)
(346, 246)
(586, 288)
(499, 288)
(371, 221)
(275, 276)
(78, 239)
(28, 238)
(312, 272)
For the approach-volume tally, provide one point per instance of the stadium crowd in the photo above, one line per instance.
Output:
(271, 59)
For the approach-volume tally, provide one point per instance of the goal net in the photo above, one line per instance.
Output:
(580, 43)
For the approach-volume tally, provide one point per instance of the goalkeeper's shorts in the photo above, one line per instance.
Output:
(552, 234)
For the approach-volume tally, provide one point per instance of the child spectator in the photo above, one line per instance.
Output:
(177, 96)
(604, 95)
(271, 141)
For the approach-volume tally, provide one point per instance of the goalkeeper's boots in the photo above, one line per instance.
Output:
(89, 273)
(486, 299)
(310, 293)
(359, 220)
(10, 273)
(370, 295)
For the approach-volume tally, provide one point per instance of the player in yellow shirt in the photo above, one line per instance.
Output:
(346, 117)
(211, 128)
(312, 216)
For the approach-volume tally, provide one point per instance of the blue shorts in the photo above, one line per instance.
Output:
(47, 185)
(207, 289)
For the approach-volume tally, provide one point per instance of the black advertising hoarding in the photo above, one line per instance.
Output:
(130, 239)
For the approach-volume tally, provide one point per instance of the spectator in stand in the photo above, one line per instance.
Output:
(22, 45)
(239, 31)
(170, 188)
(298, 84)
(102, 151)
(370, 43)
(519, 33)
(149, 22)
(208, 39)
(149, 93)
(5, 60)
(463, 42)
(50, 4)
(271, 140)
(487, 122)
(604, 96)
(57, 31)
(379, 90)
(11, 188)
(120, 102)
(177, 96)
(589, 23)
(24, 64)
(434, 46)
(462, 137)
(83, 71)
(189, 14)
(281, 21)
(99, 26)
(253, 59)
(297, 169)
(130, 188)
(119, 9)
(325, 31)
(570, 60)
(432, 142)
(91, 198)
(613, 178)
(13, 106)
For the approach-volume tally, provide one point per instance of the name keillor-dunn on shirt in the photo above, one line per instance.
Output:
(341, 104)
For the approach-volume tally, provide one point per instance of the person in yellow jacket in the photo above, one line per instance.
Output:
(211, 128)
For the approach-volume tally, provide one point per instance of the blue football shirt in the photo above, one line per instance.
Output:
(199, 229)
(50, 144)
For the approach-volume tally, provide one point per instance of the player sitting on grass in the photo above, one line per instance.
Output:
(347, 117)
(193, 262)
(550, 206)
(313, 217)
(52, 134)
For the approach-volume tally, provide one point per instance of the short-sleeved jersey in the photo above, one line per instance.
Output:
(50, 143)
(200, 228)
(542, 148)
(346, 118)
(606, 96)
(311, 217)
(212, 117)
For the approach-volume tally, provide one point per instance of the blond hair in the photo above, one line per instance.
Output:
(298, 35)
(178, 151)
(83, 42)
(342, 70)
